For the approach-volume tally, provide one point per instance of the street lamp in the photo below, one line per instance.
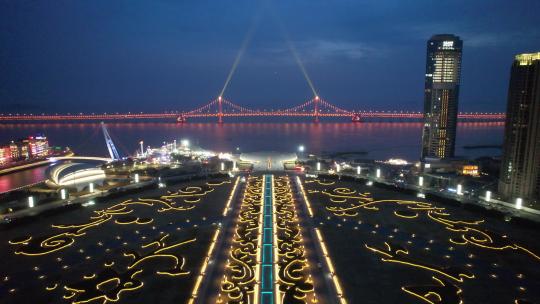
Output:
(301, 148)
(519, 203)
(459, 189)
(488, 196)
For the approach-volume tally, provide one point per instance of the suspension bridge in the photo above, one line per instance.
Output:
(221, 108)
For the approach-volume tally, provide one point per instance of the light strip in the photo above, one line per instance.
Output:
(268, 200)
(202, 272)
(276, 254)
(226, 210)
(331, 267)
(299, 182)
(259, 249)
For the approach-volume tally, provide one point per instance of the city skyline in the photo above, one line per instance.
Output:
(155, 64)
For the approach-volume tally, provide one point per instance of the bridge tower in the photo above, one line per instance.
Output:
(316, 109)
(220, 110)
(356, 118)
(110, 145)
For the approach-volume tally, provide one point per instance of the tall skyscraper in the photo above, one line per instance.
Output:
(443, 70)
(520, 170)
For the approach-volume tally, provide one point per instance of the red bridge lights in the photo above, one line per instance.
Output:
(221, 108)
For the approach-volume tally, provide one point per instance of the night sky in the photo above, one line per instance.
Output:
(65, 56)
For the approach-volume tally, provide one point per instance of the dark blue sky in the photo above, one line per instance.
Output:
(173, 55)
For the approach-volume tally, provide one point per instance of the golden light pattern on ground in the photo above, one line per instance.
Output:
(444, 292)
(182, 200)
(239, 283)
(295, 284)
(107, 285)
(348, 203)
(441, 292)
(124, 268)
(448, 281)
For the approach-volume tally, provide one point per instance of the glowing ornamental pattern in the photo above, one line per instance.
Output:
(400, 255)
(106, 285)
(345, 202)
(239, 283)
(441, 292)
(182, 200)
(444, 292)
(295, 283)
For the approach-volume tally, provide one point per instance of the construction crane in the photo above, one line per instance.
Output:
(110, 145)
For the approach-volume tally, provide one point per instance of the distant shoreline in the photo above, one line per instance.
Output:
(31, 164)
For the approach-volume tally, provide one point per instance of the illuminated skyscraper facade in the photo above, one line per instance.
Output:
(24, 149)
(520, 169)
(443, 70)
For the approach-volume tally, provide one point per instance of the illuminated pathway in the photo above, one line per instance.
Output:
(295, 283)
(267, 266)
(239, 283)
(267, 260)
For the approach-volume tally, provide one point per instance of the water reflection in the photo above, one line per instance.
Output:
(380, 139)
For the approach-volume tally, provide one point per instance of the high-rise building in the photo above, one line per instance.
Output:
(25, 149)
(520, 169)
(5, 155)
(443, 70)
(37, 146)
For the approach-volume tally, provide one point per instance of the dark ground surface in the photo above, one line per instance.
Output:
(24, 278)
(500, 275)
(491, 250)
